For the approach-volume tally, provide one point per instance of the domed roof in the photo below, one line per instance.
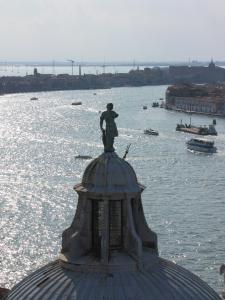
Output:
(109, 173)
(159, 280)
(109, 252)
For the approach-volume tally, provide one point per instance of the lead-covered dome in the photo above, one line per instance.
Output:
(159, 280)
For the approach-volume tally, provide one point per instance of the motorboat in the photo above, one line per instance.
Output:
(33, 98)
(77, 103)
(151, 132)
(155, 104)
(201, 145)
(83, 157)
(145, 107)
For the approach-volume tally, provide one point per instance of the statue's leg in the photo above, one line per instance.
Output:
(104, 138)
(112, 144)
(109, 144)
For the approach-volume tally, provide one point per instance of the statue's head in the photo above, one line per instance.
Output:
(109, 106)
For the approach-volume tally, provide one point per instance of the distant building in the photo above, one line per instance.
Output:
(197, 74)
(206, 99)
(36, 72)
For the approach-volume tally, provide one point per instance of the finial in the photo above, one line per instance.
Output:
(110, 131)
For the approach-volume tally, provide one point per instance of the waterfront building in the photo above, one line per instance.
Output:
(206, 99)
(109, 252)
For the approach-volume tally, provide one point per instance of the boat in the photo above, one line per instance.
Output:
(200, 130)
(83, 156)
(151, 132)
(33, 98)
(145, 107)
(155, 104)
(77, 103)
(201, 145)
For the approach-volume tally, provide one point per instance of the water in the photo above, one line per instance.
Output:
(183, 202)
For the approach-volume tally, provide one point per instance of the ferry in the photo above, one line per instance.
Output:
(201, 145)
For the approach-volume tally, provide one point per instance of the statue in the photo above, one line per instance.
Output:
(110, 131)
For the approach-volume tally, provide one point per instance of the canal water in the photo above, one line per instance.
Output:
(184, 197)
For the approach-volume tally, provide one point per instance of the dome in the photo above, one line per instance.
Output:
(109, 174)
(159, 280)
(109, 252)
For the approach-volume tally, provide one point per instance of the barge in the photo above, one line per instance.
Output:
(200, 130)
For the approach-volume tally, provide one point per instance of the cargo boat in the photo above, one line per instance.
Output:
(200, 130)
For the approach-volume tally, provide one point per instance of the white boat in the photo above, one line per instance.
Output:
(151, 132)
(201, 145)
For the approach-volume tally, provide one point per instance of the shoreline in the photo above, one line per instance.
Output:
(195, 112)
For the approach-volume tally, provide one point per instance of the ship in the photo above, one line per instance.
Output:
(201, 145)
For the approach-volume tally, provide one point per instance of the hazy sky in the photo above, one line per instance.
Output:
(94, 30)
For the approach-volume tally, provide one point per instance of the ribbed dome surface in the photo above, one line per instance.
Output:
(110, 173)
(160, 280)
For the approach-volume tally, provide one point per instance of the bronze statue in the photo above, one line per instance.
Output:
(110, 131)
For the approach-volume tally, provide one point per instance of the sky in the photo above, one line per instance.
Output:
(112, 30)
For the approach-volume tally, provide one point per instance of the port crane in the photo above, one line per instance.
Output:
(72, 64)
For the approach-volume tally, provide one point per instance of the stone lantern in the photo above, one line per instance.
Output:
(109, 225)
